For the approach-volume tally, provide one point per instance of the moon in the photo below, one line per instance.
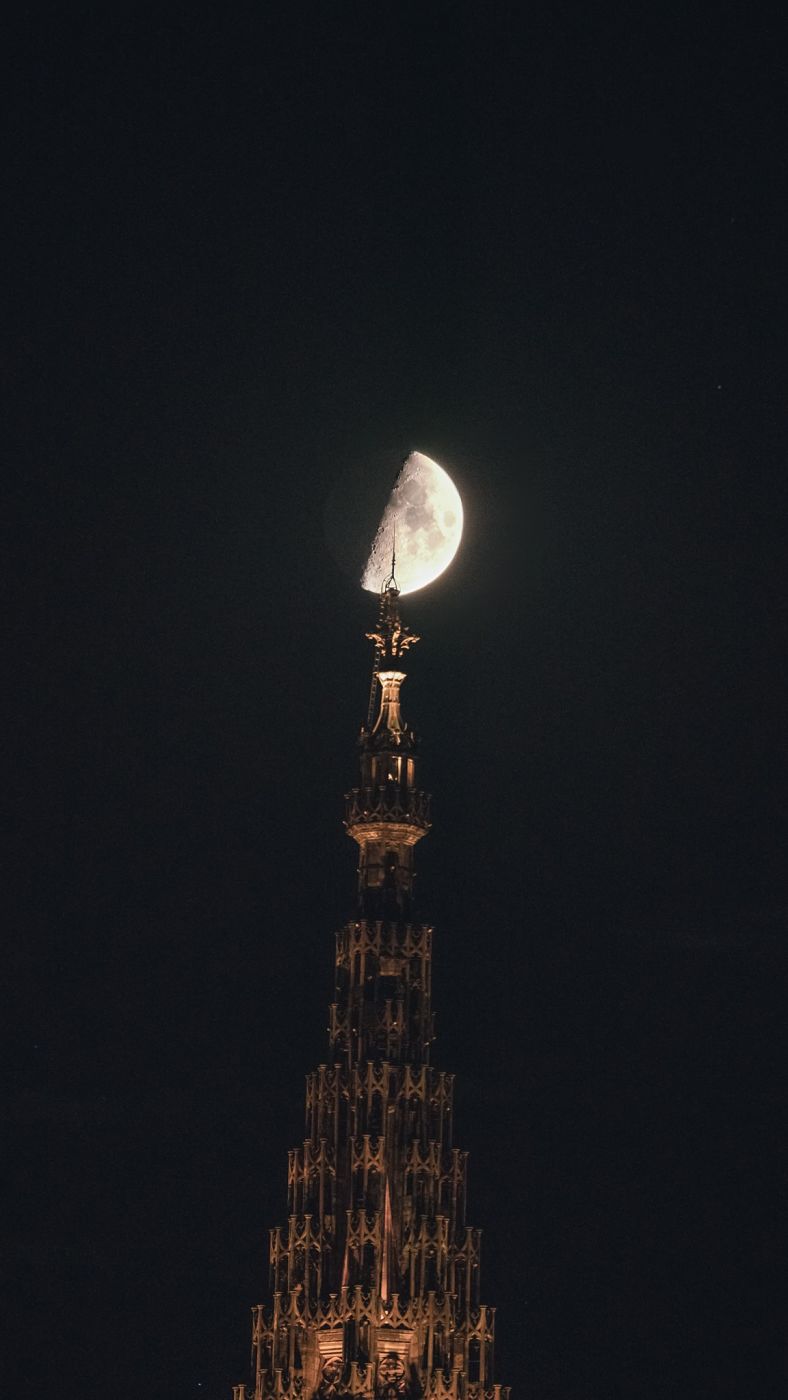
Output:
(422, 522)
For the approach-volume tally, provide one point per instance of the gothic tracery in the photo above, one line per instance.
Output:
(375, 1277)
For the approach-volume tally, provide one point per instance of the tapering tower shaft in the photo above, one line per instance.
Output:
(388, 813)
(375, 1278)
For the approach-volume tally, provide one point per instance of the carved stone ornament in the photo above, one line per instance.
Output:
(374, 1284)
(330, 1378)
(391, 1382)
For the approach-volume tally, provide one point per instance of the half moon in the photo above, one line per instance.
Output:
(421, 525)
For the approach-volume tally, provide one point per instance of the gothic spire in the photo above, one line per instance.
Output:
(387, 813)
(374, 1280)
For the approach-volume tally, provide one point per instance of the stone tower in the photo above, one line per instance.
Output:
(375, 1278)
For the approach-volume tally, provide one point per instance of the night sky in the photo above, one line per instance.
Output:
(252, 257)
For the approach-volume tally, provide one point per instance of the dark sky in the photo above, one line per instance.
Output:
(253, 256)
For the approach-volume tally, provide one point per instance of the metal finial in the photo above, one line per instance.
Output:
(391, 581)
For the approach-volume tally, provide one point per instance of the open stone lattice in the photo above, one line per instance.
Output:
(375, 1277)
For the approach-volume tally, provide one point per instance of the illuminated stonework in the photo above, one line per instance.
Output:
(375, 1277)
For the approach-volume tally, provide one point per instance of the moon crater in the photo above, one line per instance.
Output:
(421, 525)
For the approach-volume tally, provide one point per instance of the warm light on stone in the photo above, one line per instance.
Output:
(375, 1278)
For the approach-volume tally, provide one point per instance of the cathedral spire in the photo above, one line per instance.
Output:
(374, 1280)
(387, 813)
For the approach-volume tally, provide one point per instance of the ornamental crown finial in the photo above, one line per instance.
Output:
(393, 637)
